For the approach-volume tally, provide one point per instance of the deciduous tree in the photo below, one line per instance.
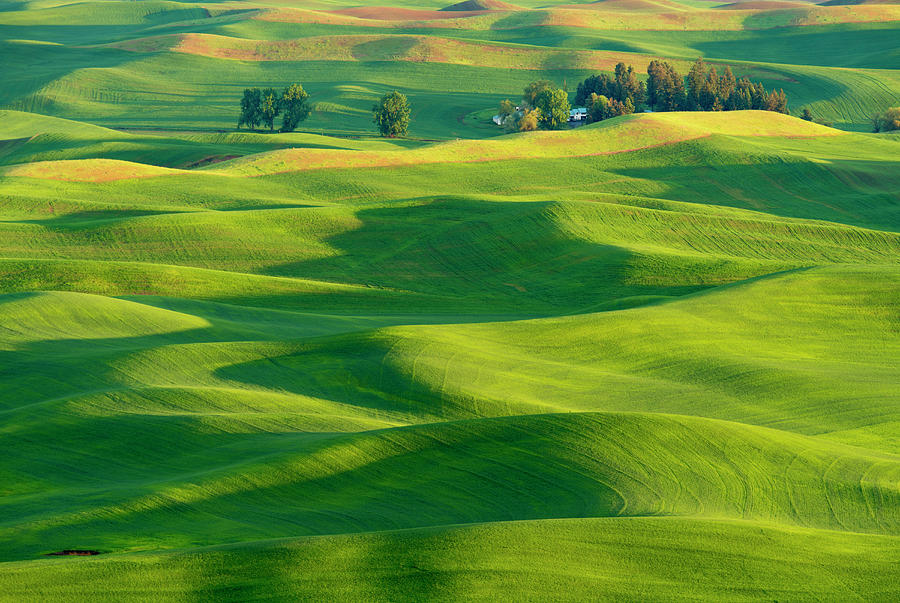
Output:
(269, 107)
(391, 114)
(554, 106)
(598, 107)
(888, 121)
(250, 115)
(529, 120)
(294, 107)
(533, 91)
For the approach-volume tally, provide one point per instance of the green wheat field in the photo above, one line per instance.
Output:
(653, 358)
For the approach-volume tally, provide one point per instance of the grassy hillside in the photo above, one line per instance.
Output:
(544, 560)
(653, 358)
(177, 65)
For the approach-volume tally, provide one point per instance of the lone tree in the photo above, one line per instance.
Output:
(554, 106)
(269, 107)
(250, 115)
(391, 114)
(294, 107)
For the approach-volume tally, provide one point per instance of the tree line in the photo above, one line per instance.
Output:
(667, 90)
(544, 105)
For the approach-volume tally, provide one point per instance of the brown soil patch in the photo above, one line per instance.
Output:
(211, 160)
(381, 13)
(762, 5)
(74, 553)
(477, 5)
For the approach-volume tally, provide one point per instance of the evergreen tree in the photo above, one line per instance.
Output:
(696, 81)
(617, 108)
(665, 87)
(727, 84)
(777, 101)
(656, 84)
(741, 98)
(807, 115)
(595, 84)
(709, 91)
(759, 98)
(628, 86)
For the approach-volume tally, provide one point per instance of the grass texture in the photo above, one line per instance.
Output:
(653, 358)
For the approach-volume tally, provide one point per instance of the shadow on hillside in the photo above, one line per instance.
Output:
(872, 47)
(92, 218)
(854, 192)
(38, 65)
(498, 257)
(57, 368)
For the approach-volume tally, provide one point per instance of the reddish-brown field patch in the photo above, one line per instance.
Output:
(384, 13)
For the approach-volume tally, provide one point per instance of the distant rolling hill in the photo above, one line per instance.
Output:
(652, 358)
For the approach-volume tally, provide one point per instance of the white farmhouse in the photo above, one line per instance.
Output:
(578, 114)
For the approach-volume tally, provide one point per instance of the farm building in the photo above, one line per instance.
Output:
(578, 114)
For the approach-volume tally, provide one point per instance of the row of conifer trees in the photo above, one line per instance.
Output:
(666, 90)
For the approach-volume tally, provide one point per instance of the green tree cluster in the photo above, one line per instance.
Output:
(667, 90)
(261, 107)
(391, 114)
(553, 103)
(543, 106)
(622, 87)
(706, 90)
(665, 87)
(889, 121)
(528, 121)
(600, 107)
(507, 108)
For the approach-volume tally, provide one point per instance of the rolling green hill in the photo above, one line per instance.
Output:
(652, 358)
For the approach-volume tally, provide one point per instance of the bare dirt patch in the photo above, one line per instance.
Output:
(74, 553)
(210, 160)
